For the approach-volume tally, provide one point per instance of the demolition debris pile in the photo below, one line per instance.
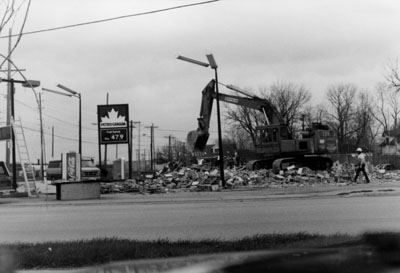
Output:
(202, 178)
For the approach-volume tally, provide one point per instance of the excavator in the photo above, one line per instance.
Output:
(276, 147)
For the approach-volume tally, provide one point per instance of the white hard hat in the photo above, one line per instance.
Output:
(359, 150)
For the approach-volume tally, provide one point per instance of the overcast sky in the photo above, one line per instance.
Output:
(316, 43)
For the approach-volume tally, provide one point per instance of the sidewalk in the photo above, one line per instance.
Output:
(243, 193)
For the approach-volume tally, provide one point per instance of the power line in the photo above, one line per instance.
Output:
(111, 19)
(62, 137)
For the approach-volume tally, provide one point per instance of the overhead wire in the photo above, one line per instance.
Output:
(62, 137)
(111, 19)
(95, 22)
(95, 129)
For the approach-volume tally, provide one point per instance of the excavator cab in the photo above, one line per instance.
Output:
(272, 133)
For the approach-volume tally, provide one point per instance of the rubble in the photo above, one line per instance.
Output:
(204, 178)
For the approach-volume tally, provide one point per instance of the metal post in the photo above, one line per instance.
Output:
(130, 151)
(80, 124)
(151, 148)
(99, 147)
(221, 154)
(41, 138)
(105, 145)
(213, 65)
(52, 142)
(140, 167)
(169, 148)
(9, 90)
(14, 166)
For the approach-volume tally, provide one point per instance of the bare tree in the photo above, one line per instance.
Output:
(247, 119)
(312, 114)
(363, 121)
(237, 135)
(11, 10)
(341, 98)
(392, 74)
(386, 106)
(289, 99)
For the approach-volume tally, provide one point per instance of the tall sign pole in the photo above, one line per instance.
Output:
(105, 145)
(113, 125)
(214, 66)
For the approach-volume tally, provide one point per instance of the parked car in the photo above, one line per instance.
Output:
(5, 177)
(89, 170)
(54, 170)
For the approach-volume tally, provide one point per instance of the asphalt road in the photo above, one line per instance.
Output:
(199, 215)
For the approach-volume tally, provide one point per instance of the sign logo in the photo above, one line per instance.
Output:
(5, 133)
(113, 119)
(71, 166)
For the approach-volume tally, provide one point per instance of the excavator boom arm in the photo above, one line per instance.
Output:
(254, 103)
(197, 139)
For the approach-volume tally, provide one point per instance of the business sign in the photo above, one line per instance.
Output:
(5, 133)
(71, 167)
(113, 123)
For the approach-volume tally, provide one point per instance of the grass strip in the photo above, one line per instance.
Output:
(80, 253)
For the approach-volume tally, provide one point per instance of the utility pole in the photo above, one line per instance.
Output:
(52, 142)
(25, 84)
(152, 147)
(138, 122)
(41, 138)
(8, 99)
(152, 150)
(169, 148)
(140, 166)
(9, 88)
(14, 166)
(144, 159)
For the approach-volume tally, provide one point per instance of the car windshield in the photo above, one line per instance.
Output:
(87, 163)
(54, 164)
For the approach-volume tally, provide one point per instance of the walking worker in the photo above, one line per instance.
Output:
(360, 167)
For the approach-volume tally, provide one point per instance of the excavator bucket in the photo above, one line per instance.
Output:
(197, 139)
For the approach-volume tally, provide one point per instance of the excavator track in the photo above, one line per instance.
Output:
(314, 162)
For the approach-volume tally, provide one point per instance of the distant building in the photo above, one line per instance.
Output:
(389, 143)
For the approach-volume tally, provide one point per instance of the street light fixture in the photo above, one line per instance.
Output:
(57, 92)
(27, 83)
(213, 64)
(186, 59)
